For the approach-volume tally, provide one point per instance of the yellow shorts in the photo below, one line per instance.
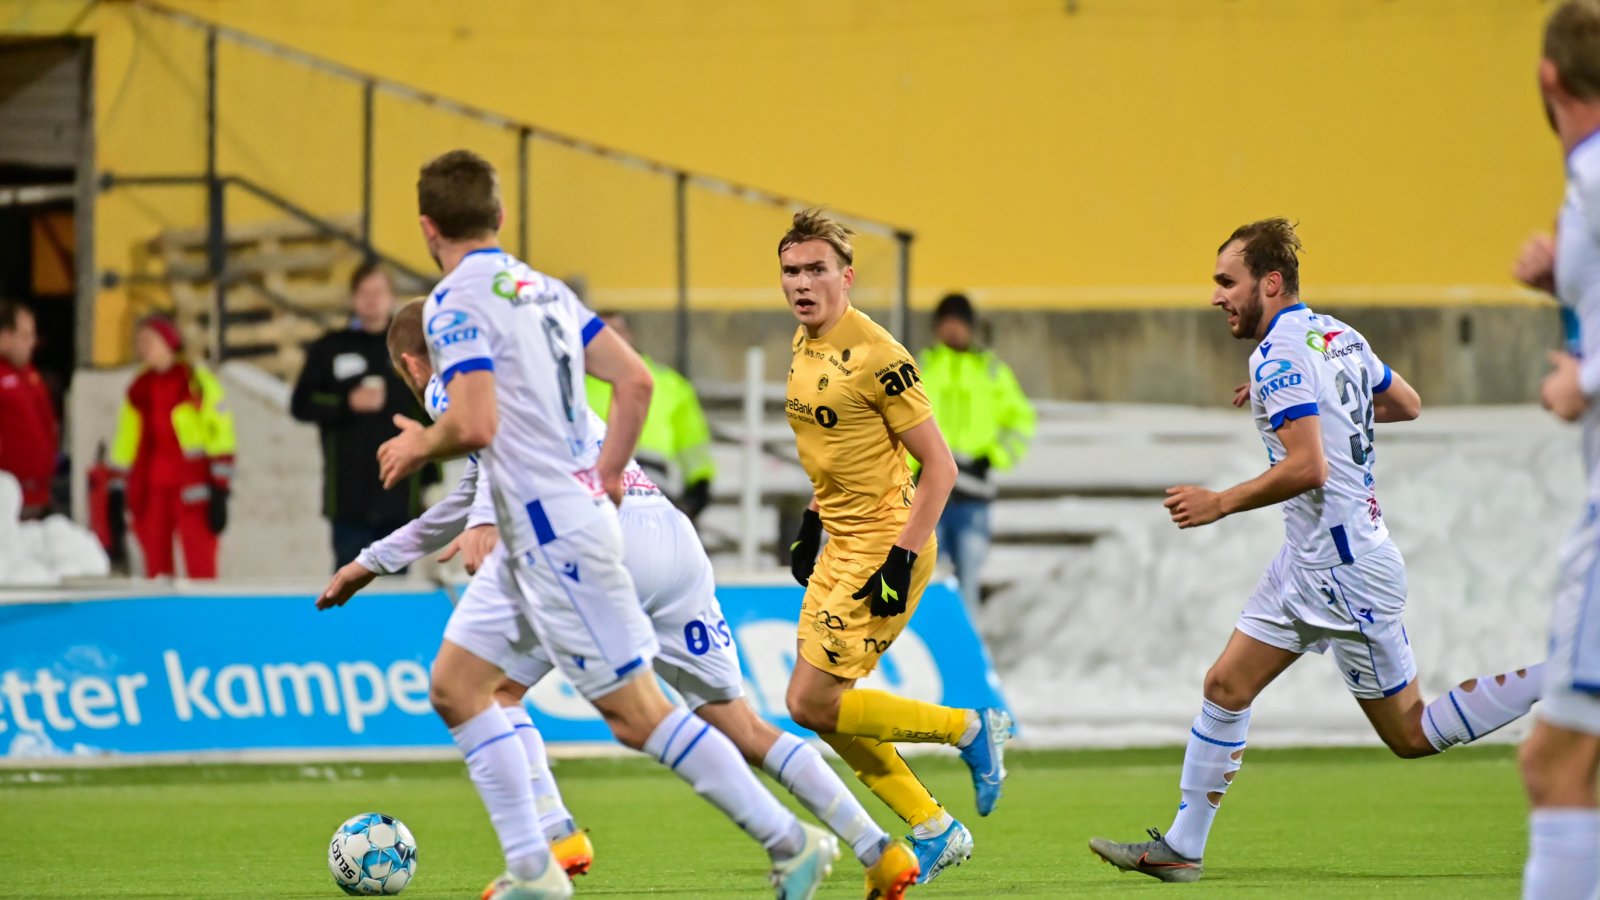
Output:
(837, 632)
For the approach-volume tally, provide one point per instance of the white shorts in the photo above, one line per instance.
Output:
(1355, 608)
(488, 622)
(1571, 686)
(676, 589)
(583, 607)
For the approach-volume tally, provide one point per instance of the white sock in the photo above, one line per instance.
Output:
(499, 771)
(933, 827)
(708, 761)
(804, 773)
(1216, 747)
(553, 815)
(1466, 714)
(1563, 855)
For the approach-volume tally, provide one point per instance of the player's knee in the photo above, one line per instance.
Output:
(813, 713)
(1410, 745)
(1554, 778)
(1225, 690)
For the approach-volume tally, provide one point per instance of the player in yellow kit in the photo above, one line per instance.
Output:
(857, 407)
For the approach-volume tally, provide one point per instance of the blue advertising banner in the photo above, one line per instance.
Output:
(200, 673)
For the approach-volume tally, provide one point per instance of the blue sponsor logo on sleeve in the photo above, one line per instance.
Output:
(444, 321)
(1272, 368)
(455, 337)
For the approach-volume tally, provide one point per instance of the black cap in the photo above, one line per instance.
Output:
(954, 306)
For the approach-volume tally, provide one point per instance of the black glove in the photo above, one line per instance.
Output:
(117, 525)
(887, 591)
(217, 511)
(696, 497)
(803, 552)
(980, 467)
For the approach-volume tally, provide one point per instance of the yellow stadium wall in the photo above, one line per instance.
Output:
(1045, 158)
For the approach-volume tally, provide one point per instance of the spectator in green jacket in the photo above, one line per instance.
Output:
(675, 446)
(987, 422)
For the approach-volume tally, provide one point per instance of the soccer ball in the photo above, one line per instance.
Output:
(372, 854)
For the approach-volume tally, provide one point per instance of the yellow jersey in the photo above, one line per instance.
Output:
(851, 392)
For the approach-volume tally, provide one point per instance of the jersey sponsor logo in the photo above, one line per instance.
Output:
(1277, 380)
(825, 619)
(1346, 350)
(469, 333)
(444, 321)
(845, 354)
(1272, 368)
(873, 645)
(507, 286)
(829, 358)
(1319, 340)
(897, 378)
(801, 411)
(822, 384)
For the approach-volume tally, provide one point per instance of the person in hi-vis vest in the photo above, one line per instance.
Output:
(988, 423)
(172, 458)
(675, 446)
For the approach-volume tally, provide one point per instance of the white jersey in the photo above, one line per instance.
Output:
(1314, 365)
(494, 313)
(638, 489)
(1578, 287)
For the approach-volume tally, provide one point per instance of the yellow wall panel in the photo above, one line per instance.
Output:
(1043, 157)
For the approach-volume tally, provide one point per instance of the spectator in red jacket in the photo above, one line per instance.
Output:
(29, 437)
(173, 454)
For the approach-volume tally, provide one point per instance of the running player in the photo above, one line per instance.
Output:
(511, 346)
(857, 407)
(1316, 387)
(673, 576)
(1561, 756)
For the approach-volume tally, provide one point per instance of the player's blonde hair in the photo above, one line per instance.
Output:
(1270, 245)
(405, 333)
(815, 225)
(1572, 42)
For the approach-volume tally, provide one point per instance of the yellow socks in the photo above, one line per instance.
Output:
(886, 717)
(884, 773)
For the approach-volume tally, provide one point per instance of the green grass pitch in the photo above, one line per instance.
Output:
(1298, 823)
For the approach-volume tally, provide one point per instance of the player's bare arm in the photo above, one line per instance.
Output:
(466, 427)
(610, 359)
(1302, 469)
(926, 444)
(474, 545)
(1536, 263)
(1561, 392)
(1400, 402)
(349, 580)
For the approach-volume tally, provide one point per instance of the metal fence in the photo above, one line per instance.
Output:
(667, 217)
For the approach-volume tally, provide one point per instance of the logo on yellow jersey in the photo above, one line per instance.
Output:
(801, 411)
(822, 384)
(897, 378)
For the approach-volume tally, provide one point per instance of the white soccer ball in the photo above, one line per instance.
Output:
(372, 854)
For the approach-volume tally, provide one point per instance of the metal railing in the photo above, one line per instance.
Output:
(216, 183)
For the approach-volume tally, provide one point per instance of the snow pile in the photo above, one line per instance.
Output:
(1108, 644)
(38, 554)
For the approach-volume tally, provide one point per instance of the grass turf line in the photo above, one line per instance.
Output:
(1303, 823)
